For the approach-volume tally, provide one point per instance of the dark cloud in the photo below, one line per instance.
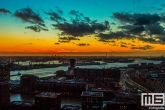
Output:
(28, 15)
(124, 17)
(63, 41)
(59, 10)
(80, 28)
(67, 39)
(113, 23)
(103, 40)
(136, 18)
(163, 17)
(55, 16)
(114, 35)
(132, 28)
(146, 47)
(76, 13)
(122, 45)
(57, 43)
(149, 40)
(137, 29)
(144, 27)
(83, 44)
(80, 25)
(155, 29)
(4, 11)
(144, 19)
(36, 28)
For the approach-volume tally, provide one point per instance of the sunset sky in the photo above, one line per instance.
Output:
(49, 27)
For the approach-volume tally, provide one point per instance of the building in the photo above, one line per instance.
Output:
(97, 75)
(66, 87)
(18, 105)
(4, 93)
(71, 107)
(122, 106)
(48, 101)
(27, 84)
(5, 73)
(92, 100)
(108, 94)
(4, 85)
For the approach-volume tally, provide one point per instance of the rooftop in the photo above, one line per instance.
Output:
(22, 103)
(92, 94)
(48, 94)
(71, 107)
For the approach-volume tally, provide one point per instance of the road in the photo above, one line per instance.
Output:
(125, 77)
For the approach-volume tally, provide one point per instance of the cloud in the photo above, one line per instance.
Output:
(163, 17)
(145, 27)
(155, 29)
(124, 17)
(76, 13)
(83, 44)
(81, 25)
(144, 19)
(122, 45)
(59, 10)
(146, 47)
(113, 23)
(80, 28)
(103, 40)
(4, 11)
(149, 40)
(54, 16)
(114, 35)
(36, 28)
(132, 29)
(67, 39)
(57, 43)
(137, 18)
(28, 15)
(63, 41)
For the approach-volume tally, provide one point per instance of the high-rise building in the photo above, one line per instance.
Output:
(72, 63)
(92, 100)
(4, 85)
(122, 106)
(4, 93)
(97, 75)
(48, 101)
(5, 73)
(28, 83)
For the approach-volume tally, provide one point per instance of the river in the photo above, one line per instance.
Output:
(44, 72)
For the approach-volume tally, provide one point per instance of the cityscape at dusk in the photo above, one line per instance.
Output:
(122, 27)
(82, 55)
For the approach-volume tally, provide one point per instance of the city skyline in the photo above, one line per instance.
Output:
(127, 27)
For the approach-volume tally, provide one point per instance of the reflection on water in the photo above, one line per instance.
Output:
(22, 97)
